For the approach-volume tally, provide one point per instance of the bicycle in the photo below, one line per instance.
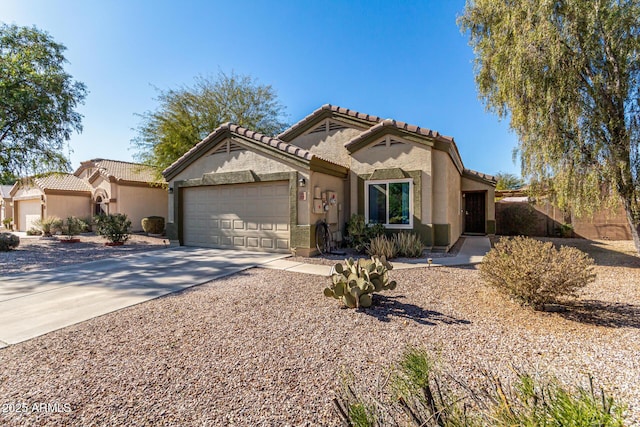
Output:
(323, 237)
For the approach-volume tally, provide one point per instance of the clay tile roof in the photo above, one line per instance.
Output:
(61, 181)
(5, 190)
(123, 171)
(325, 109)
(413, 129)
(480, 175)
(244, 132)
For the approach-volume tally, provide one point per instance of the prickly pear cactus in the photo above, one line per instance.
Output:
(354, 282)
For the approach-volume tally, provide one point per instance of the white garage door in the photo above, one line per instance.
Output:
(29, 211)
(240, 216)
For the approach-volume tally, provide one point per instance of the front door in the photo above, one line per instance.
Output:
(474, 208)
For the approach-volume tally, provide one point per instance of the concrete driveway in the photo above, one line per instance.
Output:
(32, 304)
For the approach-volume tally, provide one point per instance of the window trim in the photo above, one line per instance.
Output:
(367, 183)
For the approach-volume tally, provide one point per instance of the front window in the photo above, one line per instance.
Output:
(389, 203)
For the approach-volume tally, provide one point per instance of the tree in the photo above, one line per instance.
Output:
(508, 181)
(37, 102)
(567, 74)
(187, 115)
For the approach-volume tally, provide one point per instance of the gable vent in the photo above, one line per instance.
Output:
(380, 144)
(321, 128)
(235, 147)
(222, 148)
(395, 142)
(227, 147)
(336, 126)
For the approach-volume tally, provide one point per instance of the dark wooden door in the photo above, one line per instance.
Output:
(474, 206)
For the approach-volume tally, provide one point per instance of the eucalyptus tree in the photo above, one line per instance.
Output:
(566, 75)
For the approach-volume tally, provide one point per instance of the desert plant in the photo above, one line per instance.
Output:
(49, 226)
(382, 246)
(114, 227)
(8, 241)
(356, 281)
(73, 226)
(7, 223)
(566, 230)
(534, 272)
(153, 224)
(430, 397)
(359, 234)
(34, 232)
(408, 244)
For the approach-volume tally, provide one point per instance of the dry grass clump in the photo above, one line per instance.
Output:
(536, 273)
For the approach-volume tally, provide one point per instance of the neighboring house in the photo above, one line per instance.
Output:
(97, 186)
(62, 195)
(6, 205)
(240, 189)
(123, 187)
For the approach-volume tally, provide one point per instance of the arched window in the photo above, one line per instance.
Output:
(99, 207)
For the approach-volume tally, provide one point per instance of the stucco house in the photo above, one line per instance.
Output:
(6, 205)
(98, 185)
(240, 189)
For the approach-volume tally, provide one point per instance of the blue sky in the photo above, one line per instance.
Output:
(405, 60)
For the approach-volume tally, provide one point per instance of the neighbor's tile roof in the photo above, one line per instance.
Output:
(122, 171)
(328, 109)
(61, 181)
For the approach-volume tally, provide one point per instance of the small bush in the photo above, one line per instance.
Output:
(8, 241)
(73, 226)
(424, 395)
(50, 225)
(153, 224)
(359, 234)
(382, 246)
(534, 272)
(114, 227)
(33, 232)
(7, 223)
(409, 245)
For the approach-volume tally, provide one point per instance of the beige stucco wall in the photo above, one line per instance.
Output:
(327, 183)
(27, 192)
(440, 188)
(454, 201)
(64, 206)
(138, 202)
(472, 185)
(408, 156)
(328, 145)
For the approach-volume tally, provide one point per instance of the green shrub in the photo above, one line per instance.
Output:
(33, 232)
(534, 272)
(409, 245)
(423, 395)
(73, 226)
(566, 230)
(50, 225)
(382, 246)
(356, 281)
(114, 227)
(359, 234)
(153, 224)
(7, 223)
(8, 241)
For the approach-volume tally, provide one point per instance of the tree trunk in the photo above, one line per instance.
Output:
(634, 226)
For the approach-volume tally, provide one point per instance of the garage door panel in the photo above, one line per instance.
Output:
(29, 212)
(243, 216)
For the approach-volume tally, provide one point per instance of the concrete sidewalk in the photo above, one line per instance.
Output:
(472, 252)
(32, 304)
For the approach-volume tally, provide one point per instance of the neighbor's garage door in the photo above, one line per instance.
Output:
(29, 211)
(241, 216)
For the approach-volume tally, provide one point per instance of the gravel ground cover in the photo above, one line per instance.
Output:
(36, 253)
(266, 348)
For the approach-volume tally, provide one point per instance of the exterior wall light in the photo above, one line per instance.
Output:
(302, 182)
